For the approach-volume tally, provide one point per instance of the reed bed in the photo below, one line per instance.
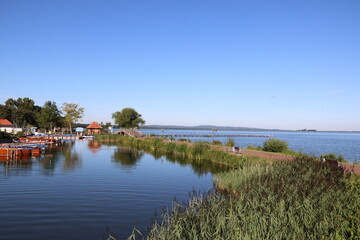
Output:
(198, 151)
(303, 199)
(300, 199)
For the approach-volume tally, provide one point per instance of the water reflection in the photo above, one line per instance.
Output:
(200, 167)
(72, 159)
(20, 165)
(94, 145)
(126, 157)
(65, 154)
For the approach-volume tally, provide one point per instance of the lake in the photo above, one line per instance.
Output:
(315, 143)
(78, 190)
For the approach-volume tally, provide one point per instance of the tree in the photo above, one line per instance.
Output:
(49, 115)
(21, 112)
(106, 126)
(72, 113)
(128, 118)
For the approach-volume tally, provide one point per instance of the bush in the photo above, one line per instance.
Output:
(251, 147)
(216, 142)
(230, 142)
(184, 140)
(170, 147)
(332, 156)
(275, 145)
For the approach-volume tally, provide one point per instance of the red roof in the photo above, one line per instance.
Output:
(94, 125)
(5, 122)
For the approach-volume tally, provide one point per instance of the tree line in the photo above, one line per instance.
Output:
(23, 112)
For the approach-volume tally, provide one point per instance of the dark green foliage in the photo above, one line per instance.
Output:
(4, 135)
(275, 145)
(20, 112)
(128, 118)
(49, 116)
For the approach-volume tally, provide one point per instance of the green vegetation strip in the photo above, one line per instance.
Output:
(198, 151)
(300, 199)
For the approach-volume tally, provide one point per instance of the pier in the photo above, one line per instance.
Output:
(212, 135)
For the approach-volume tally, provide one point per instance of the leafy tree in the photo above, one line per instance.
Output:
(21, 112)
(49, 115)
(128, 118)
(72, 113)
(106, 126)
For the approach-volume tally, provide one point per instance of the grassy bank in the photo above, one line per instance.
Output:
(300, 199)
(197, 151)
(303, 199)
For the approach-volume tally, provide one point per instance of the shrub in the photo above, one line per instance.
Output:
(156, 143)
(275, 145)
(182, 149)
(216, 142)
(199, 149)
(184, 140)
(170, 147)
(230, 142)
(332, 156)
(251, 147)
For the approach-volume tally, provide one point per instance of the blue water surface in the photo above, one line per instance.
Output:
(82, 190)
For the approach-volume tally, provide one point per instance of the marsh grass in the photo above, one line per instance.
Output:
(303, 199)
(199, 151)
(300, 199)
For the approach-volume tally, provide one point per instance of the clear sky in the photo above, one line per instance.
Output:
(267, 64)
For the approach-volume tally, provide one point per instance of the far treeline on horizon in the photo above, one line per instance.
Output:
(23, 112)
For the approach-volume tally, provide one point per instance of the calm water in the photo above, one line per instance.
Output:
(316, 143)
(76, 191)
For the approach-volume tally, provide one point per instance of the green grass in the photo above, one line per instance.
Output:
(304, 199)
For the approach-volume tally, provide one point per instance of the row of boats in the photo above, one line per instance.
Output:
(30, 146)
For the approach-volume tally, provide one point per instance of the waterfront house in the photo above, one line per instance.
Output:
(6, 126)
(94, 128)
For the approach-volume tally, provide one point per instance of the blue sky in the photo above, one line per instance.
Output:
(267, 64)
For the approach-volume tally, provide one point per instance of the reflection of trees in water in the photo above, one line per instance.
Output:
(66, 153)
(19, 166)
(200, 167)
(126, 157)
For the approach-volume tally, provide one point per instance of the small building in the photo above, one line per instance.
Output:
(6, 126)
(94, 128)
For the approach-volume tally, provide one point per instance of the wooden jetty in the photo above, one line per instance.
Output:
(212, 135)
